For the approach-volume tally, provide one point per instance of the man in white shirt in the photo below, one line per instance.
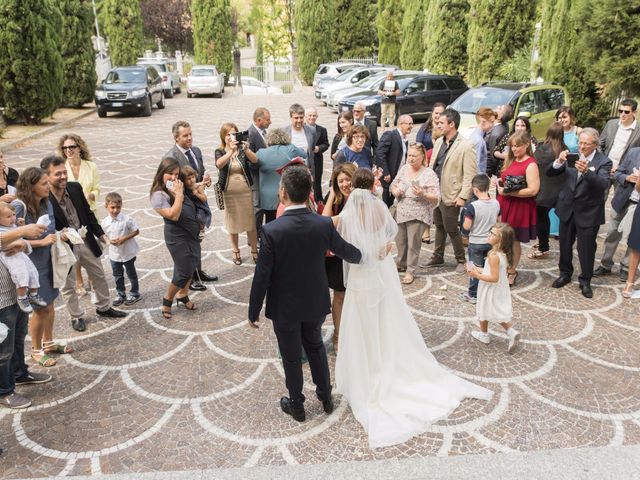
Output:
(621, 134)
(302, 136)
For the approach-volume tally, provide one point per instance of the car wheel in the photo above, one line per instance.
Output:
(161, 103)
(179, 89)
(217, 95)
(102, 113)
(189, 95)
(146, 109)
(169, 93)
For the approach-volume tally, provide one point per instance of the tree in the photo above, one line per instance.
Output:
(412, 50)
(169, 20)
(212, 36)
(30, 64)
(497, 29)
(445, 37)
(389, 23)
(123, 28)
(313, 22)
(355, 30)
(79, 63)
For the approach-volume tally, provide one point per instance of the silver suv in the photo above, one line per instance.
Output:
(168, 71)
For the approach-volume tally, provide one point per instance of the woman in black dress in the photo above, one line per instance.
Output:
(634, 245)
(181, 231)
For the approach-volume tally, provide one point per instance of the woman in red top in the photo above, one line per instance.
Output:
(518, 208)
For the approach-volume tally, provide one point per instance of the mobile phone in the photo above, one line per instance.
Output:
(169, 184)
(572, 158)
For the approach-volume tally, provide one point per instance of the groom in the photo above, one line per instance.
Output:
(291, 272)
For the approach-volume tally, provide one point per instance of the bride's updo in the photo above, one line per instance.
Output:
(363, 178)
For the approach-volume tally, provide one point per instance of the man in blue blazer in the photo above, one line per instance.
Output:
(291, 273)
(580, 207)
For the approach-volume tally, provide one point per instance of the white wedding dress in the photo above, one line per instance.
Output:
(393, 384)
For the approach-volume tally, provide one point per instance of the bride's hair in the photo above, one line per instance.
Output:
(506, 236)
(363, 178)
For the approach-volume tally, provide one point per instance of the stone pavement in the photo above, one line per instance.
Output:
(200, 391)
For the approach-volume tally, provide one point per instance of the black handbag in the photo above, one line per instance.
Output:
(217, 188)
(513, 183)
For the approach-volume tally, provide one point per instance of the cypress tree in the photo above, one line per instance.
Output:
(123, 28)
(212, 36)
(77, 52)
(497, 29)
(355, 28)
(389, 24)
(30, 64)
(412, 49)
(445, 37)
(313, 20)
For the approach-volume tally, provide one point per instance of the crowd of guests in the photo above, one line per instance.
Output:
(490, 193)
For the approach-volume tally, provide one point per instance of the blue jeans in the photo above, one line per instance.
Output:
(477, 253)
(118, 269)
(12, 364)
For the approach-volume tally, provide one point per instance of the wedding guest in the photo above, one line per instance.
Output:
(521, 124)
(499, 130)
(354, 151)
(425, 132)
(633, 243)
(518, 206)
(8, 179)
(345, 122)
(417, 191)
(338, 195)
(566, 116)
(316, 162)
(196, 192)
(180, 232)
(235, 179)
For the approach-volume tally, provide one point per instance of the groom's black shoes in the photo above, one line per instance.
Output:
(327, 405)
(288, 408)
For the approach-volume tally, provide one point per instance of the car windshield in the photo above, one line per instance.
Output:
(161, 67)
(203, 72)
(127, 76)
(345, 75)
(372, 80)
(472, 100)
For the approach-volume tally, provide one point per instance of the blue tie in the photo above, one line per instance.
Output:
(192, 160)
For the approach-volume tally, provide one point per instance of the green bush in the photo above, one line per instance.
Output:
(445, 37)
(123, 28)
(412, 50)
(212, 35)
(314, 21)
(389, 24)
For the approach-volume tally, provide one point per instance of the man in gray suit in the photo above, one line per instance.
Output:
(258, 140)
(186, 154)
(302, 136)
(621, 134)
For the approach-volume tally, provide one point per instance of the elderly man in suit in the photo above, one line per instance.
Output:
(454, 161)
(316, 163)
(258, 140)
(580, 207)
(187, 154)
(625, 195)
(391, 154)
(359, 109)
(291, 273)
(302, 136)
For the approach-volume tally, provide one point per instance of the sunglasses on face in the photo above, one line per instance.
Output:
(620, 110)
(69, 147)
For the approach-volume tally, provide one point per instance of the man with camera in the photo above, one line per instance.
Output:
(187, 154)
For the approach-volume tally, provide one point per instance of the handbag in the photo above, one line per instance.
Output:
(513, 183)
(217, 188)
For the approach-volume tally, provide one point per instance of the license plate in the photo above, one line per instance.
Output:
(345, 109)
(117, 104)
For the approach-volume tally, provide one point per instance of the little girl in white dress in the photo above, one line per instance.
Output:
(494, 296)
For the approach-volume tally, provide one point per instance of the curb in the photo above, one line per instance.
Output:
(46, 131)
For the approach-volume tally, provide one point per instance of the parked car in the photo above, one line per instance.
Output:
(332, 70)
(168, 70)
(130, 89)
(335, 96)
(538, 102)
(346, 78)
(418, 93)
(253, 86)
(205, 80)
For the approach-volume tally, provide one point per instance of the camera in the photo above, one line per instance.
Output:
(242, 136)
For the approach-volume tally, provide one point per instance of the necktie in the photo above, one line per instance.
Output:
(192, 160)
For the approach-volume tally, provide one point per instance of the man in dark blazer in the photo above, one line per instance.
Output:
(322, 145)
(625, 195)
(580, 207)
(391, 154)
(257, 141)
(359, 109)
(291, 273)
(72, 210)
(187, 154)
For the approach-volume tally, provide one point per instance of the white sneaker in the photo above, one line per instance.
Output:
(481, 337)
(514, 339)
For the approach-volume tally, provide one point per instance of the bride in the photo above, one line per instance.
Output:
(394, 385)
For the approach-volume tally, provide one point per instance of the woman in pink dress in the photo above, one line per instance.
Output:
(518, 206)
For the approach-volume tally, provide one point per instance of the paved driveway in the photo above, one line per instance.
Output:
(201, 390)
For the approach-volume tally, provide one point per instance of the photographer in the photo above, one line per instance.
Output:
(235, 181)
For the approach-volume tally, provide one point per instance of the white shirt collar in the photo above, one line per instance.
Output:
(183, 150)
(295, 207)
(630, 127)
(404, 139)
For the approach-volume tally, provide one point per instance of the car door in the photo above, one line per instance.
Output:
(153, 80)
(411, 99)
(549, 100)
(437, 91)
(528, 107)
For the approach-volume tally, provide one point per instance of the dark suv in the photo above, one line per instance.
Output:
(418, 93)
(130, 89)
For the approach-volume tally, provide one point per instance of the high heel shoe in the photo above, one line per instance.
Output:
(628, 290)
(255, 256)
(166, 303)
(188, 304)
(236, 257)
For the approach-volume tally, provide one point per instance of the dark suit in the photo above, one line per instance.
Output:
(322, 142)
(175, 153)
(291, 273)
(389, 156)
(580, 207)
(372, 142)
(256, 142)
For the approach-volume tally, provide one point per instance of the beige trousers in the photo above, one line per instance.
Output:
(387, 114)
(409, 243)
(94, 269)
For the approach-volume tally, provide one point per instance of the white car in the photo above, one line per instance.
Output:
(346, 78)
(205, 80)
(253, 86)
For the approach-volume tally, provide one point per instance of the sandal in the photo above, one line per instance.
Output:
(512, 276)
(188, 304)
(628, 290)
(408, 279)
(236, 257)
(43, 359)
(537, 254)
(426, 239)
(53, 347)
(166, 303)
(255, 256)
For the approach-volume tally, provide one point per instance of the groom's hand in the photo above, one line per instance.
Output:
(253, 322)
